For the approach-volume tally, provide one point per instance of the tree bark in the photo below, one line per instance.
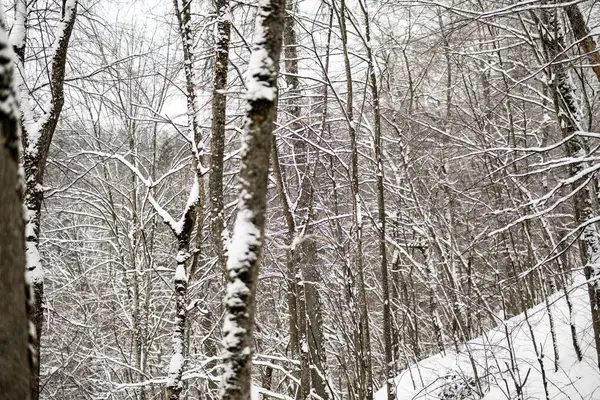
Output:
(36, 139)
(193, 212)
(304, 254)
(582, 33)
(248, 232)
(569, 118)
(15, 360)
(219, 112)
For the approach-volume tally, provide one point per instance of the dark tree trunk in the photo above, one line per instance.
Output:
(569, 119)
(217, 144)
(15, 359)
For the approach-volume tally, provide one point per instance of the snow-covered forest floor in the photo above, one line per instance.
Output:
(502, 372)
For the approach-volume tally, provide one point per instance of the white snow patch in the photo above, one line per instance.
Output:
(235, 291)
(17, 33)
(180, 275)
(246, 238)
(175, 369)
(261, 68)
(35, 272)
(574, 380)
(8, 105)
(30, 216)
(358, 211)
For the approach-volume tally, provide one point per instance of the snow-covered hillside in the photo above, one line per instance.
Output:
(574, 380)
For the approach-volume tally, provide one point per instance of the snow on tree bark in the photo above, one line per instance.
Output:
(37, 137)
(15, 362)
(306, 325)
(18, 34)
(182, 230)
(248, 232)
(183, 15)
(217, 144)
(193, 211)
(175, 371)
(568, 113)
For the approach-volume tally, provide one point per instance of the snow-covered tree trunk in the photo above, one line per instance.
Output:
(248, 232)
(182, 230)
(37, 137)
(299, 258)
(15, 360)
(192, 216)
(217, 144)
(292, 290)
(569, 118)
(183, 14)
(175, 372)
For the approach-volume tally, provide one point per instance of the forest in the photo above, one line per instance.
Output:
(300, 199)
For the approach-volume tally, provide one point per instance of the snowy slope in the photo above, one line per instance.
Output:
(574, 379)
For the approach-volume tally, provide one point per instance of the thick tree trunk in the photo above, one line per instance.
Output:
(569, 117)
(582, 33)
(36, 140)
(15, 359)
(248, 232)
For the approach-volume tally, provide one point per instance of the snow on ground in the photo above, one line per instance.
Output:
(574, 379)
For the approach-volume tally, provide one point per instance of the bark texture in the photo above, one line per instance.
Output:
(304, 254)
(248, 233)
(37, 138)
(568, 113)
(582, 33)
(14, 357)
(388, 369)
(217, 144)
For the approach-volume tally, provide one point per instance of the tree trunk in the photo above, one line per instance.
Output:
(15, 362)
(37, 137)
(569, 117)
(248, 232)
(582, 33)
(310, 325)
(217, 144)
